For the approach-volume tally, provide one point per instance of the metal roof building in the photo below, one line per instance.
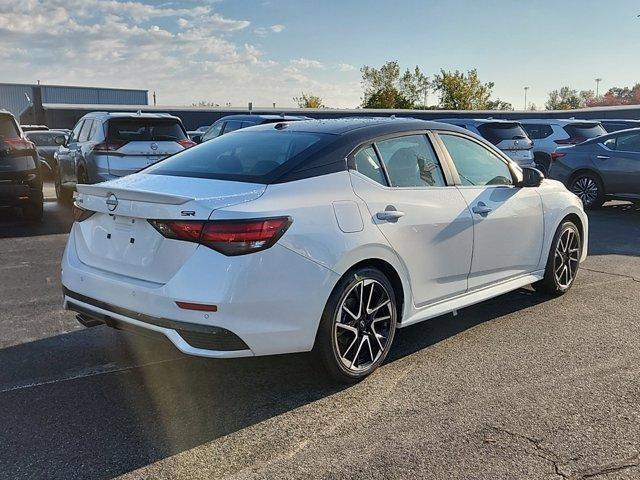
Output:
(20, 97)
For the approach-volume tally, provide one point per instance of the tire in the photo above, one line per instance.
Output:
(354, 338)
(33, 212)
(588, 187)
(63, 195)
(563, 262)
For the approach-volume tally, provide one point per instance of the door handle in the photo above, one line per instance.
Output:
(481, 209)
(389, 215)
(602, 157)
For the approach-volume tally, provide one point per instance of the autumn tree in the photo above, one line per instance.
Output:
(388, 87)
(307, 100)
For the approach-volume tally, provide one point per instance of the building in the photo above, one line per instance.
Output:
(22, 98)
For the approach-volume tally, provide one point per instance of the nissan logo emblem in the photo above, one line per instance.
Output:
(112, 202)
(154, 146)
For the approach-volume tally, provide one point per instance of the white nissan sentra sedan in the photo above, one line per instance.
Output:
(318, 235)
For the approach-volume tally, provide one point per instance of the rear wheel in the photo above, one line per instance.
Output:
(563, 262)
(588, 188)
(358, 325)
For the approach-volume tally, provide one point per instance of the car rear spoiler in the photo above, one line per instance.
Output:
(133, 195)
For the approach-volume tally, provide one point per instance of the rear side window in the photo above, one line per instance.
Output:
(537, 131)
(76, 131)
(242, 156)
(580, 132)
(145, 129)
(625, 142)
(367, 163)
(8, 128)
(411, 162)
(499, 131)
(232, 125)
(476, 165)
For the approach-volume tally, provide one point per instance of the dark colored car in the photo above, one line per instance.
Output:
(614, 125)
(45, 142)
(33, 128)
(602, 168)
(20, 178)
(236, 122)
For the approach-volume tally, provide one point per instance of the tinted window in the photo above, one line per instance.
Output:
(84, 133)
(213, 131)
(76, 132)
(42, 139)
(145, 129)
(8, 127)
(625, 142)
(580, 132)
(537, 131)
(475, 164)
(411, 162)
(245, 155)
(94, 128)
(367, 163)
(232, 125)
(498, 131)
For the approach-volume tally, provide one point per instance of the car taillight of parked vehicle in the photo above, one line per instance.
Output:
(109, 146)
(186, 143)
(81, 214)
(16, 144)
(556, 155)
(229, 237)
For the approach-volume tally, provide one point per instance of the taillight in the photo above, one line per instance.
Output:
(80, 214)
(229, 237)
(556, 155)
(18, 144)
(109, 145)
(186, 143)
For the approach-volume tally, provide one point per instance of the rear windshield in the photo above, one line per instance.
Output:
(8, 128)
(498, 131)
(244, 155)
(43, 139)
(584, 131)
(145, 129)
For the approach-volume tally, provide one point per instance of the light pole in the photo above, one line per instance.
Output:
(598, 80)
(525, 97)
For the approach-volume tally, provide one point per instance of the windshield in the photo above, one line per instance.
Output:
(8, 128)
(584, 131)
(244, 155)
(145, 129)
(499, 131)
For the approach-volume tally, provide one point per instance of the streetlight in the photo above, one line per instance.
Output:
(525, 97)
(598, 80)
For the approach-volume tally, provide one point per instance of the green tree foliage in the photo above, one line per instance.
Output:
(307, 100)
(460, 91)
(498, 104)
(387, 87)
(567, 98)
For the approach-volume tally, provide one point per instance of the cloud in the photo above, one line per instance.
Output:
(185, 52)
(272, 29)
(346, 67)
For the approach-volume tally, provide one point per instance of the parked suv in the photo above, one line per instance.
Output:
(45, 142)
(550, 133)
(104, 146)
(607, 167)
(613, 125)
(508, 136)
(20, 178)
(236, 122)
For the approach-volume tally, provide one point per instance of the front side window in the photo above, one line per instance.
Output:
(367, 163)
(627, 142)
(476, 165)
(232, 125)
(537, 131)
(411, 162)
(84, 133)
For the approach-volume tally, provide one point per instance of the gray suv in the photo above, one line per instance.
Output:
(103, 146)
(606, 167)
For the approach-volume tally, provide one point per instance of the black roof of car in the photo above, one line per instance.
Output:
(263, 118)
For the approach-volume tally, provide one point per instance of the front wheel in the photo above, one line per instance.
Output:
(357, 326)
(563, 261)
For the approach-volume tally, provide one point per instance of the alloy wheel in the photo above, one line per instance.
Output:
(566, 258)
(363, 325)
(586, 189)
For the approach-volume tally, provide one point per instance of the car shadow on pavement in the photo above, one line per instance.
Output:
(135, 401)
(615, 229)
(57, 219)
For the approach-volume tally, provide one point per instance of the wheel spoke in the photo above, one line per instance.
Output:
(355, 358)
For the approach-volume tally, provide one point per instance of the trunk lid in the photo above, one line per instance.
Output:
(134, 156)
(119, 239)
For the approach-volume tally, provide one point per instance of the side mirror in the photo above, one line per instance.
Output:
(531, 177)
(60, 140)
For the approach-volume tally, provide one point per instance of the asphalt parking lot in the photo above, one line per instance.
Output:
(521, 386)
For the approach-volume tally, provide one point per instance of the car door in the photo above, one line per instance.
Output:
(507, 220)
(412, 200)
(618, 161)
(66, 160)
(78, 153)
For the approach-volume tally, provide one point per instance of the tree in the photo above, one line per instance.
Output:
(307, 100)
(618, 96)
(386, 87)
(567, 98)
(460, 91)
(204, 103)
(498, 104)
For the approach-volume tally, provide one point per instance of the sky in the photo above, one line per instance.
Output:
(268, 51)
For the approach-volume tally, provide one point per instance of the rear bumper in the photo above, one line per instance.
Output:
(15, 193)
(269, 302)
